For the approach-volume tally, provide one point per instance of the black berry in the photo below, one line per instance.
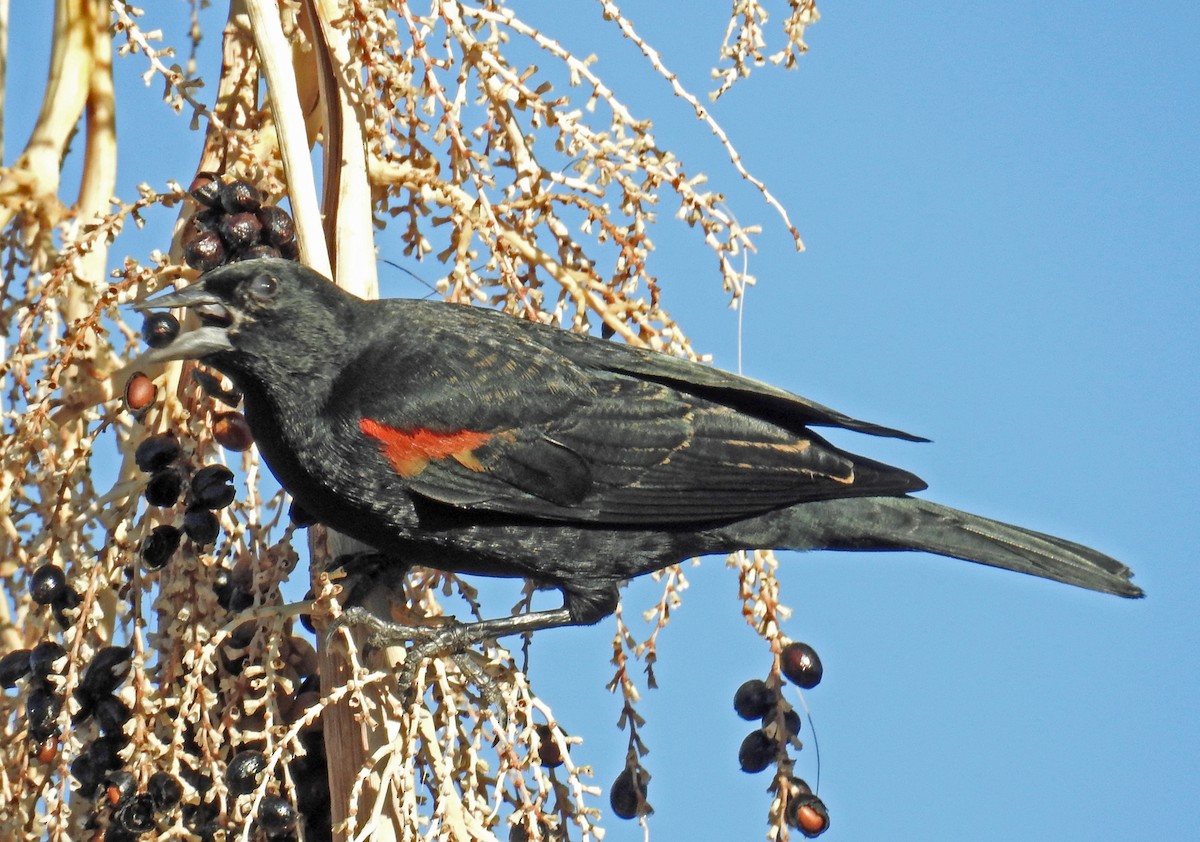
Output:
(157, 452)
(754, 699)
(549, 754)
(212, 487)
(240, 231)
(757, 752)
(159, 546)
(13, 667)
(205, 251)
(277, 225)
(201, 526)
(240, 196)
(42, 707)
(277, 816)
(48, 584)
(111, 713)
(136, 814)
(105, 673)
(159, 329)
(164, 487)
(244, 772)
(628, 794)
(165, 789)
(206, 189)
(46, 659)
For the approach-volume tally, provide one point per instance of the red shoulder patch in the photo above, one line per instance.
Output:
(411, 450)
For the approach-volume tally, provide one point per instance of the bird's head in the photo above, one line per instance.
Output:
(260, 319)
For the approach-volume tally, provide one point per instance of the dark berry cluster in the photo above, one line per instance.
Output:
(209, 489)
(235, 225)
(48, 586)
(779, 728)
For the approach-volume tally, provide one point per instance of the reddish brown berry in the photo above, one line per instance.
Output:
(277, 225)
(205, 251)
(240, 196)
(139, 392)
(240, 231)
(800, 664)
(232, 431)
(807, 814)
(549, 754)
(206, 189)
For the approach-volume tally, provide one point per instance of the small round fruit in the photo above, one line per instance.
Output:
(549, 754)
(205, 251)
(807, 814)
(206, 189)
(277, 225)
(801, 666)
(232, 431)
(157, 452)
(754, 699)
(277, 816)
(240, 196)
(201, 526)
(46, 659)
(790, 721)
(87, 773)
(13, 667)
(46, 751)
(757, 752)
(139, 392)
(165, 789)
(627, 797)
(258, 251)
(104, 674)
(159, 546)
(111, 713)
(136, 814)
(42, 707)
(245, 771)
(240, 231)
(159, 329)
(212, 487)
(119, 785)
(48, 584)
(164, 487)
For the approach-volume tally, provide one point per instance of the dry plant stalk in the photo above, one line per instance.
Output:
(533, 190)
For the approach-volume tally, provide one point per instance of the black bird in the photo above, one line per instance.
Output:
(468, 440)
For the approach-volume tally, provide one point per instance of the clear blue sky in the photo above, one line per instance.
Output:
(1003, 226)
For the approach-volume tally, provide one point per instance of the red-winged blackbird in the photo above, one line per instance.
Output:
(468, 440)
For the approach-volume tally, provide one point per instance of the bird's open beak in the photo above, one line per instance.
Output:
(211, 337)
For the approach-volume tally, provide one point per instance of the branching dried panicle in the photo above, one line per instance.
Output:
(536, 188)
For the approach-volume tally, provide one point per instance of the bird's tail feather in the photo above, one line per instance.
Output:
(908, 523)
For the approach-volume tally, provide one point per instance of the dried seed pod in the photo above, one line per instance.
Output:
(754, 699)
(800, 664)
(212, 487)
(139, 392)
(158, 547)
(159, 329)
(157, 452)
(48, 584)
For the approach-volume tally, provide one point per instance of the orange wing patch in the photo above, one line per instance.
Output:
(410, 451)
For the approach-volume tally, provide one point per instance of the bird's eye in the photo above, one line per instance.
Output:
(263, 287)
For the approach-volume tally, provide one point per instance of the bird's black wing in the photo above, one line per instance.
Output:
(487, 413)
